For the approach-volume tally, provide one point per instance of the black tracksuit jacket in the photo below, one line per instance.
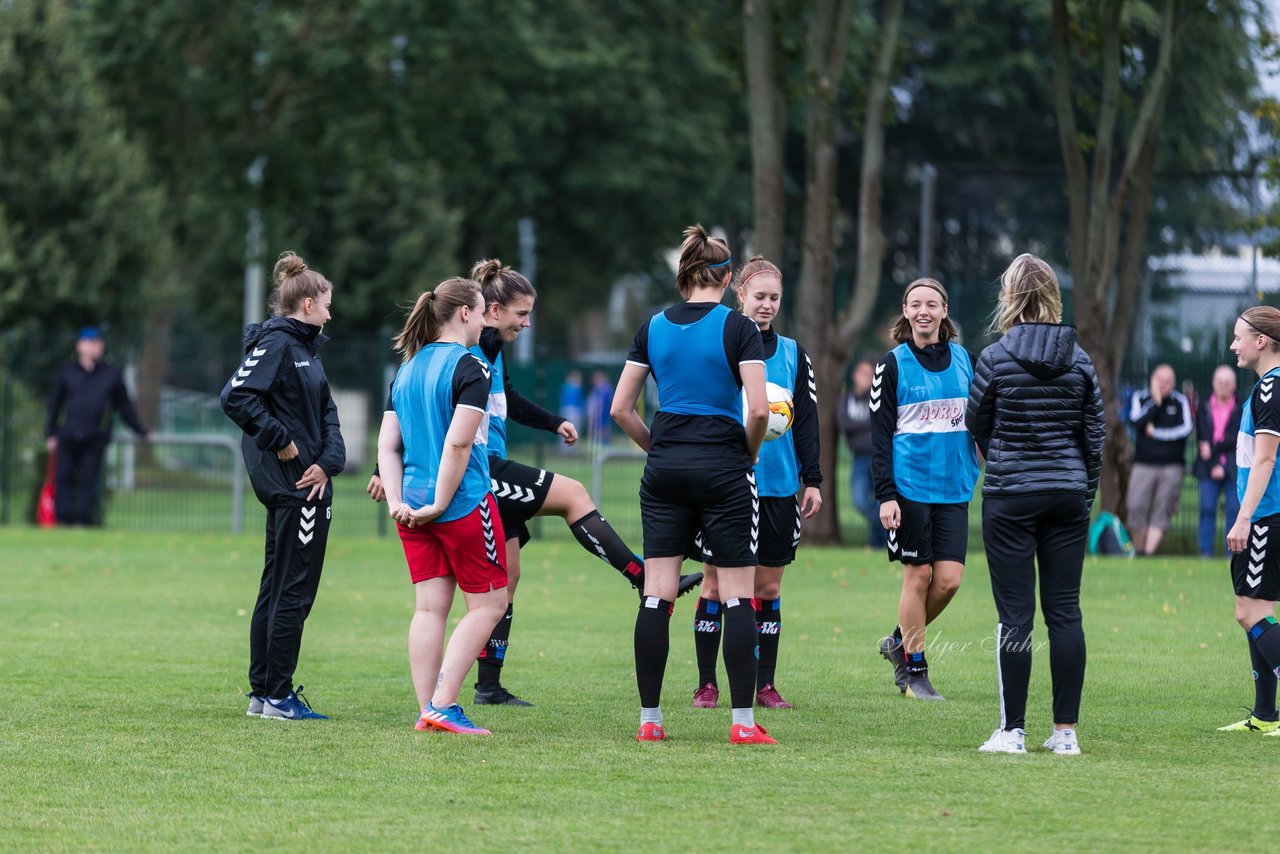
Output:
(280, 394)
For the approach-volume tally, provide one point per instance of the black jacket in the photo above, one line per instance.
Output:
(1036, 411)
(853, 417)
(280, 394)
(1170, 422)
(1217, 450)
(81, 404)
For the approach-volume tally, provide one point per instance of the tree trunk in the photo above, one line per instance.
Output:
(153, 367)
(826, 53)
(1097, 203)
(765, 109)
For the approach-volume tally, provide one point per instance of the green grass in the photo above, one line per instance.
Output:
(123, 726)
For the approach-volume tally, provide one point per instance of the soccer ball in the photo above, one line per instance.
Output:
(781, 411)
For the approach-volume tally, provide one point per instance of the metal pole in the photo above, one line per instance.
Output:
(928, 200)
(528, 266)
(253, 272)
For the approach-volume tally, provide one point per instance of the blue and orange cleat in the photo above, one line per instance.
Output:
(651, 732)
(451, 719)
(740, 734)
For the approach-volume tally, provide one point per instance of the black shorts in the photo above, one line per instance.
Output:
(521, 491)
(930, 532)
(1255, 572)
(677, 504)
(779, 534)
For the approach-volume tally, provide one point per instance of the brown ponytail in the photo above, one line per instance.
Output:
(432, 310)
(500, 284)
(703, 261)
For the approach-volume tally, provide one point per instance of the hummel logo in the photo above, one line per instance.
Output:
(1261, 529)
(258, 352)
(235, 383)
(483, 367)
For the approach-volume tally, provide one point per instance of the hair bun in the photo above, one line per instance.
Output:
(486, 270)
(288, 265)
(755, 258)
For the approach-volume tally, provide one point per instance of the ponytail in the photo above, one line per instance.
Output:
(431, 311)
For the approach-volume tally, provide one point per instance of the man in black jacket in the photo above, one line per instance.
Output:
(86, 394)
(1161, 418)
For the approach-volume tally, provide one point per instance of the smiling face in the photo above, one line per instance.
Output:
(473, 321)
(510, 319)
(762, 299)
(924, 310)
(1248, 344)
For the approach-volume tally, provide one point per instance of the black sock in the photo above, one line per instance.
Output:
(706, 639)
(740, 652)
(1264, 651)
(769, 629)
(1264, 684)
(916, 662)
(897, 635)
(652, 642)
(598, 537)
(489, 672)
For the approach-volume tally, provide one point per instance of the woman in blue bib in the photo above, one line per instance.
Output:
(786, 465)
(924, 465)
(1255, 564)
(698, 475)
(431, 453)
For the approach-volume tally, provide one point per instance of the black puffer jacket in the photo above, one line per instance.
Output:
(280, 394)
(1036, 412)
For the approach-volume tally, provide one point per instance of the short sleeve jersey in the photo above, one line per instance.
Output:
(426, 392)
(1261, 414)
(692, 440)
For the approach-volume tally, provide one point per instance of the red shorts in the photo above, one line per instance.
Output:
(472, 549)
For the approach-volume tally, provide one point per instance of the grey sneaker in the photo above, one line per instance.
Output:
(920, 688)
(255, 705)
(892, 652)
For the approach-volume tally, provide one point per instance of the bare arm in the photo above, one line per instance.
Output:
(1264, 464)
(757, 415)
(453, 463)
(391, 464)
(623, 408)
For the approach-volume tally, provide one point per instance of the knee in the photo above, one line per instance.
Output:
(945, 585)
(916, 581)
(768, 589)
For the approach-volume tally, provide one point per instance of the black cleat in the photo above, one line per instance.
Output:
(892, 653)
(920, 688)
(496, 695)
(688, 582)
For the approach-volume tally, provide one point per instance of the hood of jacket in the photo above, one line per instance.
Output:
(1045, 350)
(308, 333)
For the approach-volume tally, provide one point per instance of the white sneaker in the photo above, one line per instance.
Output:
(1063, 742)
(1004, 741)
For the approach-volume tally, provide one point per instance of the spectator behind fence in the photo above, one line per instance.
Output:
(598, 403)
(1217, 423)
(853, 415)
(86, 393)
(572, 403)
(1161, 418)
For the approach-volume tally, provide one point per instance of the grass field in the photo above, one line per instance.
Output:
(123, 726)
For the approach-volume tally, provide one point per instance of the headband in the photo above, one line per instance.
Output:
(728, 260)
(755, 273)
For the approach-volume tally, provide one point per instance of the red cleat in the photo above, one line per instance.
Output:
(769, 698)
(740, 734)
(706, 697)
(651, 732)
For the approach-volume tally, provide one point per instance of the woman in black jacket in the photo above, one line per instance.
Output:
(1036, 412)
(292, 446)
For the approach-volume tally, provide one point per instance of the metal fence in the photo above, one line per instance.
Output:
(191, 477)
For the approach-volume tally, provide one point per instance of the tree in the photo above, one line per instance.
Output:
(829, 336)
(1110, 132)
(78, 206)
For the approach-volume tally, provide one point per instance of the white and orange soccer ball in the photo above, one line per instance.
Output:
(781, 411)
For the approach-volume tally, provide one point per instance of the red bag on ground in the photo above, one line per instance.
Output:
(45, 515)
